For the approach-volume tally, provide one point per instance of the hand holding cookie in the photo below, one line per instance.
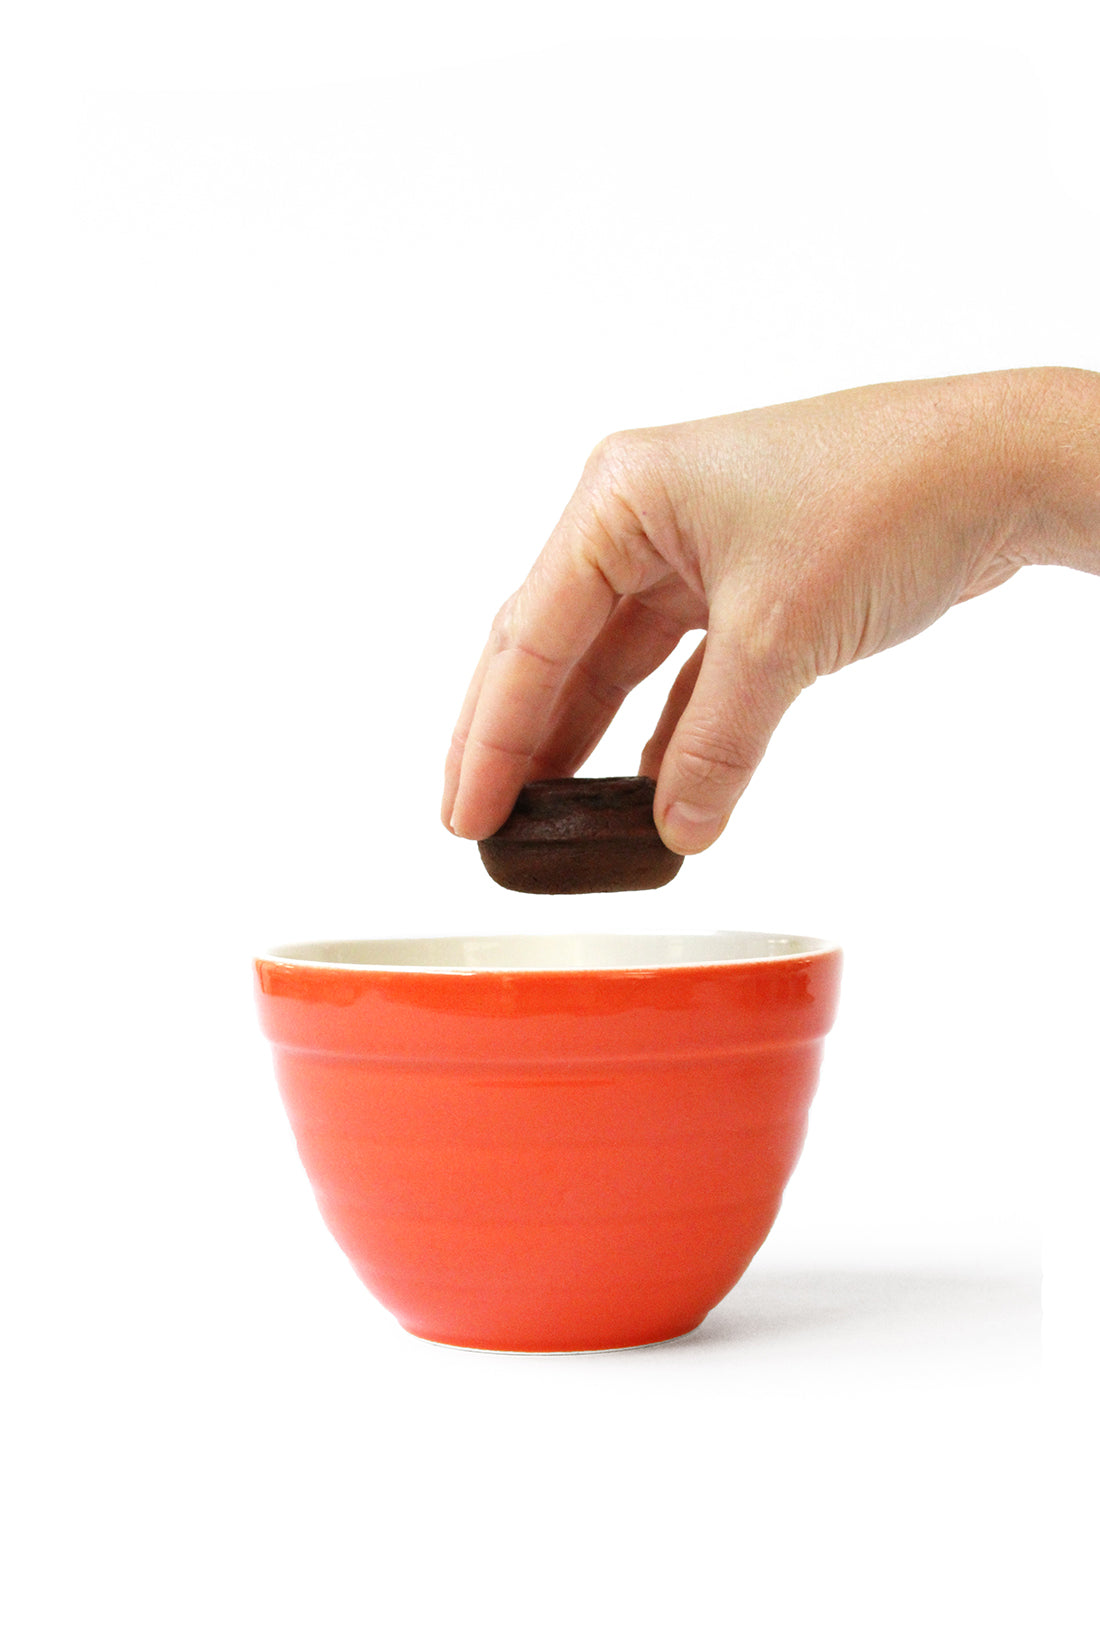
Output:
(798, 538)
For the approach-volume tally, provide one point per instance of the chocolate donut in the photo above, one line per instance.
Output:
(580, 836)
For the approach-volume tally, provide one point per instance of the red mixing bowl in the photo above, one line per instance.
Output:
(554, 1144)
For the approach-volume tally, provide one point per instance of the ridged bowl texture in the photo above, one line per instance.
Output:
(549, 1145)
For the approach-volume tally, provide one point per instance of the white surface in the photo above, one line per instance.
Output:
(495, 953)
(301, 365)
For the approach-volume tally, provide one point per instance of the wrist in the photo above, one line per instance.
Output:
(1051, 436)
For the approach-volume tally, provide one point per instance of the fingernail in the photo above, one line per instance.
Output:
(688, 828)
(454, 828)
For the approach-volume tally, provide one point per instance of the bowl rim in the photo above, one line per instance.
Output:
(778, 949)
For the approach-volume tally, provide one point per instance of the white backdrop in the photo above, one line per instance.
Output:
(311, 321)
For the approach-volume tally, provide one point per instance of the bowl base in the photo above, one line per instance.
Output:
(558, 1351)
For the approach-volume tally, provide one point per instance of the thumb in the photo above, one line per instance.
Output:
(721, 713)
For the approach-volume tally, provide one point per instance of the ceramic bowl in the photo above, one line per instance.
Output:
(551, 1144)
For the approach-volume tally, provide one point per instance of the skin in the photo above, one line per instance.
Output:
(798, 538)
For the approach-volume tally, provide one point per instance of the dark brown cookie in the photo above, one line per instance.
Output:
(580, 836)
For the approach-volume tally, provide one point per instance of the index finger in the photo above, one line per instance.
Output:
(539, 635)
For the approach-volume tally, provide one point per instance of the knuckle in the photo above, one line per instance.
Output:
(503, 629)
(606, 693)
(512, 749)
(615, 455)
(773, 642)
(710, 762)
(770, 626)
(622, 501)
(629, 467)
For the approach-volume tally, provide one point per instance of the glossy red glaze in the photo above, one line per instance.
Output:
(536, 1160)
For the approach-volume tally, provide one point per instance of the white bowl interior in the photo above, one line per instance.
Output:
(509, 953)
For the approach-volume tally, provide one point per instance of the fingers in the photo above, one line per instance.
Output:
(635, 641)
(540, 635)
(675, 706)
(453, 766)
(723, 709)
(598, 554)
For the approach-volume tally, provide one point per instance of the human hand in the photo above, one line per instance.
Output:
(799, 538)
